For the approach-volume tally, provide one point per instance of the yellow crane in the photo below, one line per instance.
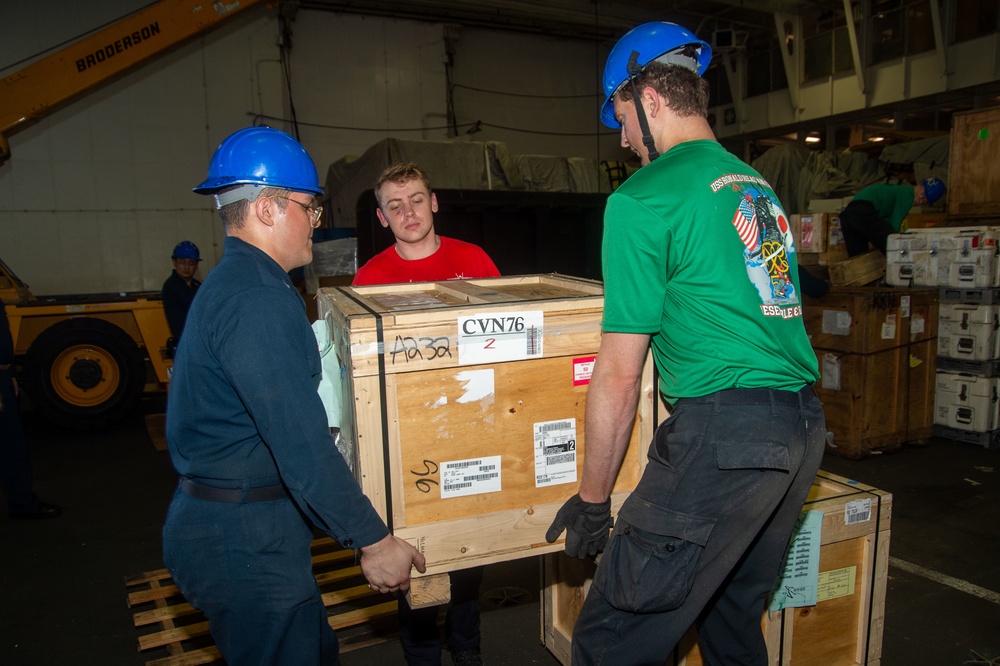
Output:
(85, 359)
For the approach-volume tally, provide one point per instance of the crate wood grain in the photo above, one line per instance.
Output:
(974, 164)
(169, 625)
(879, 401)
(857, 271)
(864, 320)
(844, 630)
(428, 386)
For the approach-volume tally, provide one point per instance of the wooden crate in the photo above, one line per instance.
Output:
(974, 164)
(877, 402)
(860, 270)
(864, 320)
(426, 392)
(173, 633)
(921, 383)
(840, 630)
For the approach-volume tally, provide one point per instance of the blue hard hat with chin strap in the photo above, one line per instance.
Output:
(658, 41)
(259, 157)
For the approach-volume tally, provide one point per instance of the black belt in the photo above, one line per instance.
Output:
(200, 491)
(757, 396)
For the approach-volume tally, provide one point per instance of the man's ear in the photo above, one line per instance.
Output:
(265, 209)
(434, 203)
(381, 218)
(651, 101)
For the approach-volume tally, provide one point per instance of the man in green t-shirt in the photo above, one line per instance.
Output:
(700, 264)
(878, 210)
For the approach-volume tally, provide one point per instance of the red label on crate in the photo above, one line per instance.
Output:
(583, 368)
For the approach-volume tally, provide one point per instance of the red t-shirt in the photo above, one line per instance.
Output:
(453, 260)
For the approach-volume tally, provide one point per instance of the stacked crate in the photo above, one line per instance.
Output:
(843, 628)
(818, 239)
(876, 348)
(967, 407)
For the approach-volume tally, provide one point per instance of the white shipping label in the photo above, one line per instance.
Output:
(498, 337)
(858, 511)
(470, 477)
(836, 322)
(889, 327)
(555, 452)
(904, 306)
(830, 373)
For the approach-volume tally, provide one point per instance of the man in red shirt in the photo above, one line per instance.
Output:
(406, 205)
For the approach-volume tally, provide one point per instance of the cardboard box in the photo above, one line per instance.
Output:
(489, 375)
(836, 250)
(967, 402)
(879, 401)
(830, 206)
(810, 232)
(864, 320)
(974, 164)
(969, 331)
(844, 628)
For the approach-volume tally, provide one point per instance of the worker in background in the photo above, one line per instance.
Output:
(15, 463)
(697, 262)
(180, 287)
(247, 430)
(878, 211)
(406, 205)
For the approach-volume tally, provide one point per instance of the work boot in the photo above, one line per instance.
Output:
(37, 511)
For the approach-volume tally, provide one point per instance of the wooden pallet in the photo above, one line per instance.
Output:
(170, 626)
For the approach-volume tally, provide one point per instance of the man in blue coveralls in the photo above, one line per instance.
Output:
(247, 430)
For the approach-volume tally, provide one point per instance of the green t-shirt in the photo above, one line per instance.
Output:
(892, 202)
(698, 253)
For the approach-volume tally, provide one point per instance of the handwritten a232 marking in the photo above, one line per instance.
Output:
(421, 348)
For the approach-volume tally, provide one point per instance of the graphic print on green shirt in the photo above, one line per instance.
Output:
(699, 254)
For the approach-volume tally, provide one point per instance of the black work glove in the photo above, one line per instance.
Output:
(587, 526)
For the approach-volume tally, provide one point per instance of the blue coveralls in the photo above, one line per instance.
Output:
(243, 413)
(177, 298)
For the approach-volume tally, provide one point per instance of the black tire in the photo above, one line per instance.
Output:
(84, 373)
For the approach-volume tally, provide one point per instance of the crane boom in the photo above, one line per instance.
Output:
(40, 88)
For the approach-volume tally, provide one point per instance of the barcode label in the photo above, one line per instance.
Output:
(470, 477)
(533, 342)
(858, 511)
(556, 425)
(555, 452)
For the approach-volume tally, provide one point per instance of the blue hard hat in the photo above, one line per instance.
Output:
(186, 250)
(933, 189)
(660, 41)
(261, 156)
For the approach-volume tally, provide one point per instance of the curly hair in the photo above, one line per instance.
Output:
(686, 92)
